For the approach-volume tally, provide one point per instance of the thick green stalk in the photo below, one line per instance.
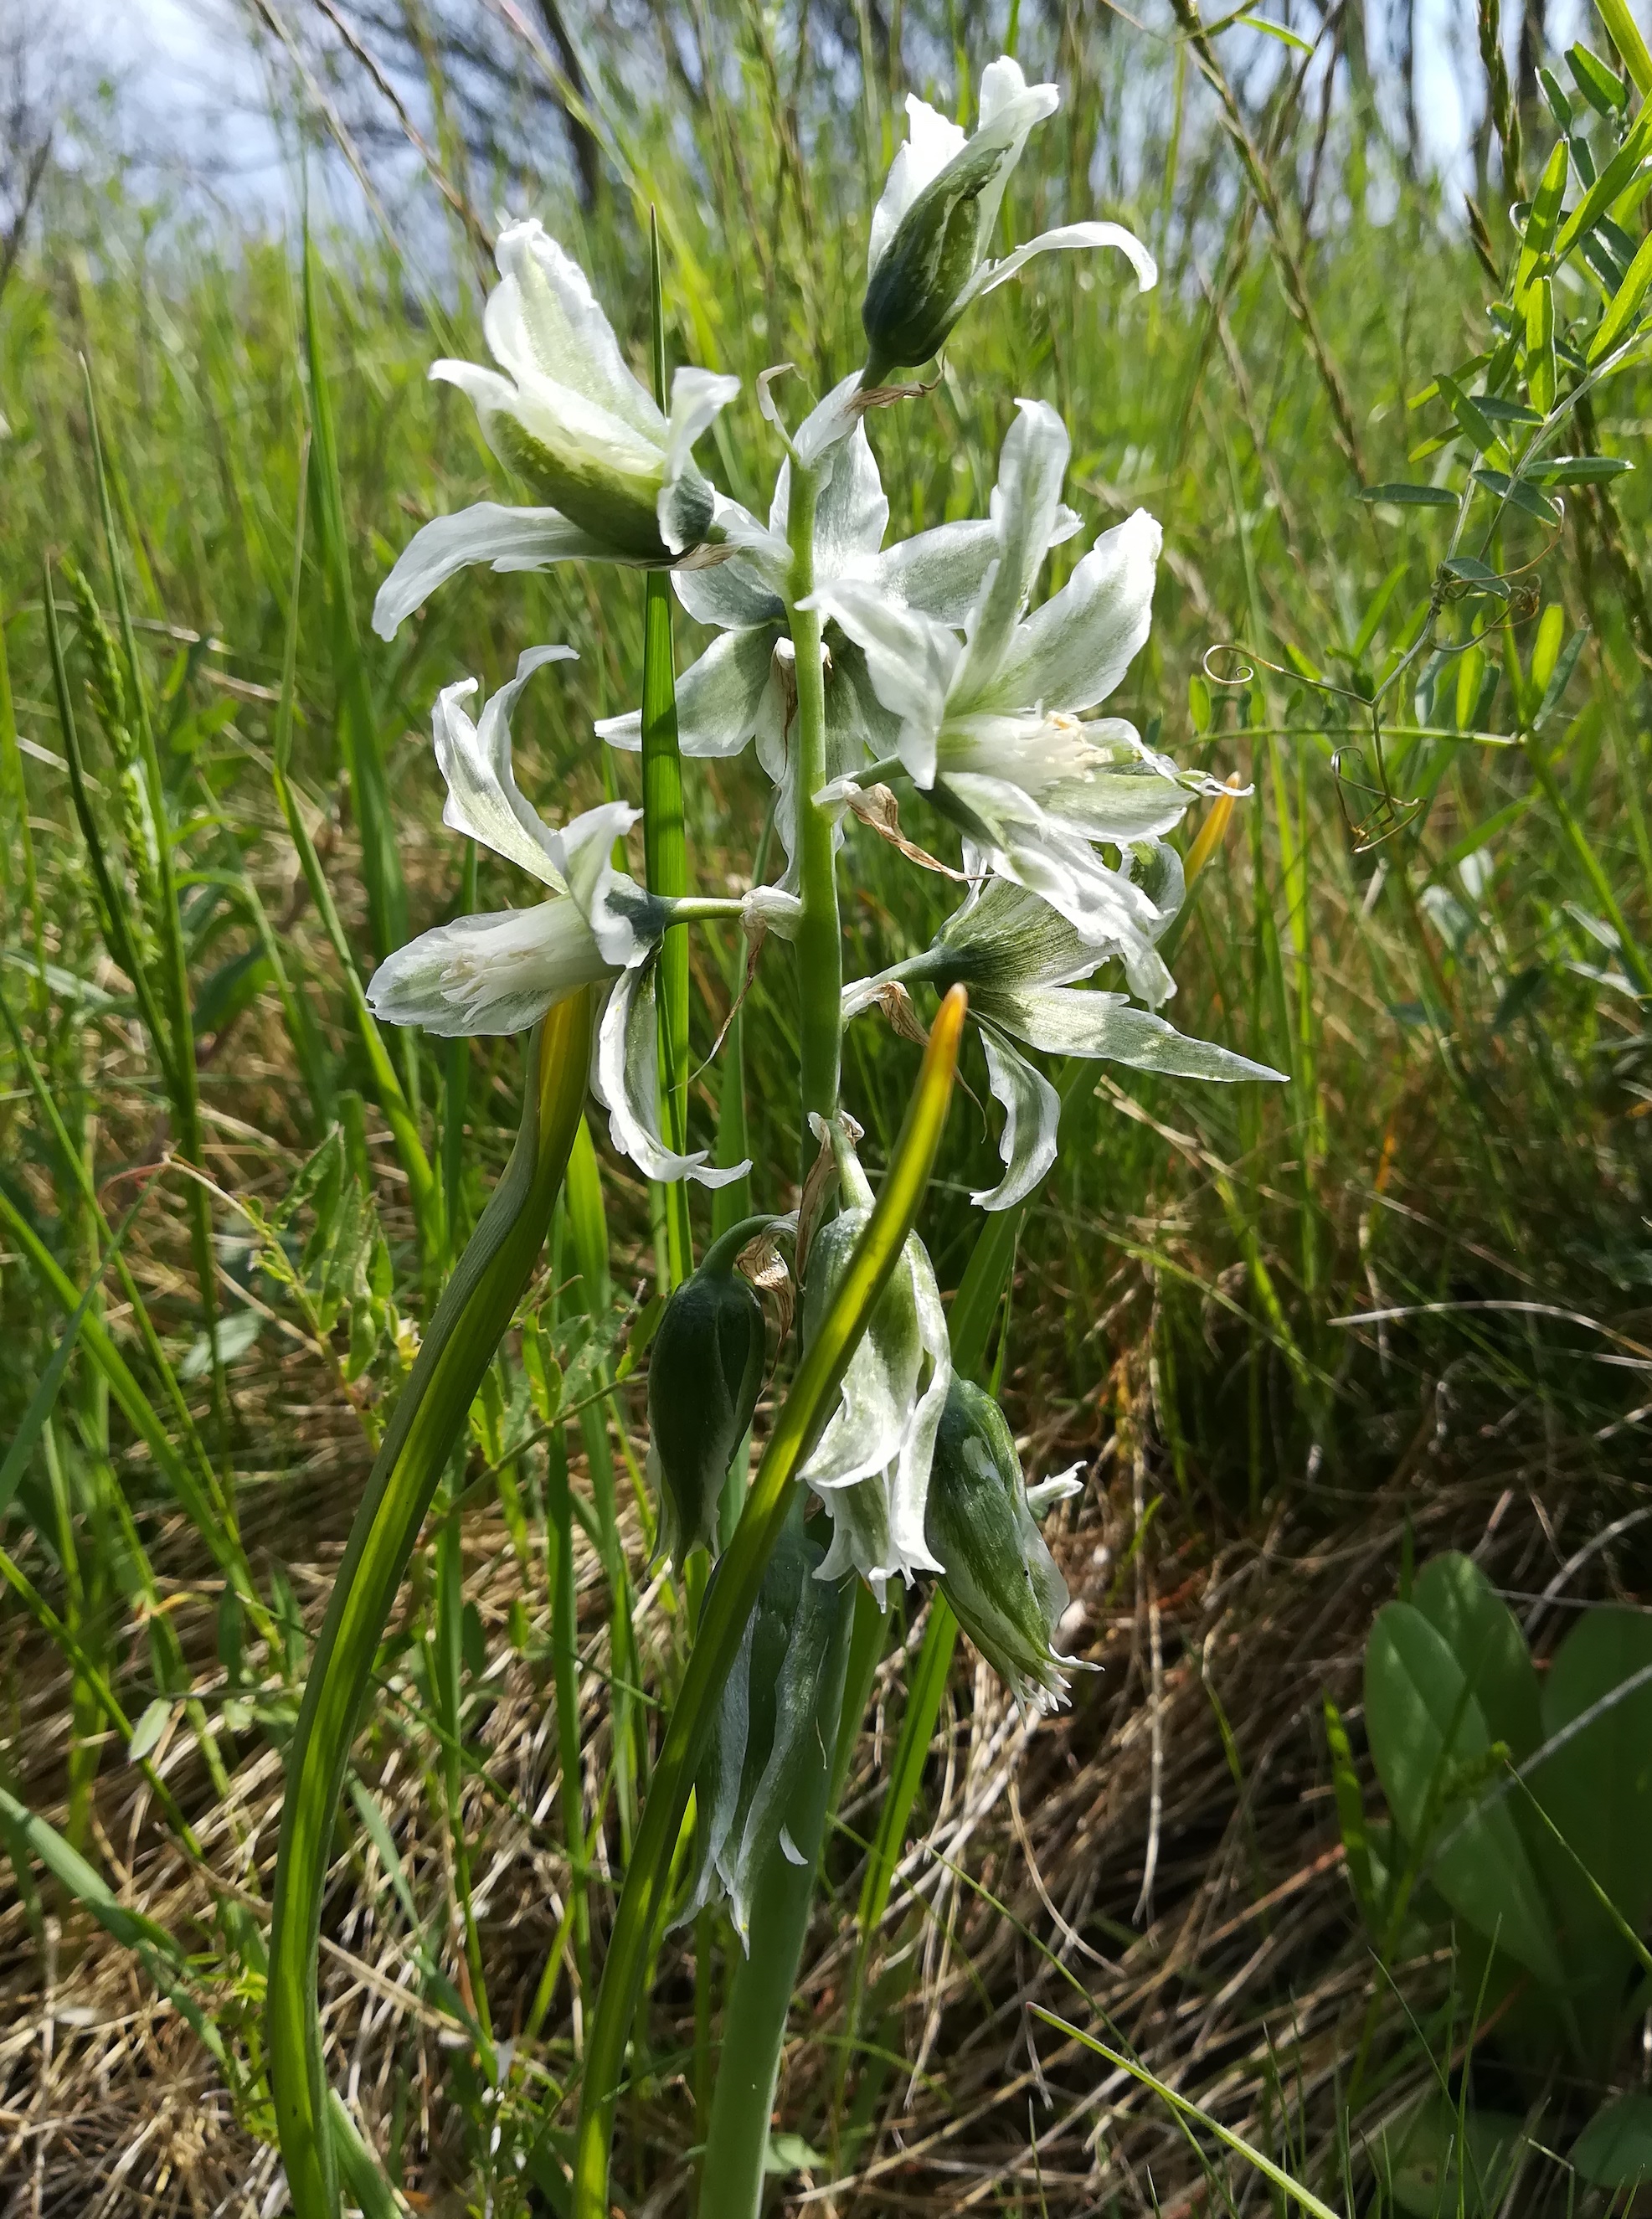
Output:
(730, 1599)
(665, 844)
(759, 1999)
(819, 944)
(474, 1311)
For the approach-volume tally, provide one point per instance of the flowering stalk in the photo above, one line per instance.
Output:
(730, 1599)
(820, 947)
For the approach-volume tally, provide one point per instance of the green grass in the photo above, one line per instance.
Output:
(1461, 1143)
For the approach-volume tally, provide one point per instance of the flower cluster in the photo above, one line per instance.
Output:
(845, 663)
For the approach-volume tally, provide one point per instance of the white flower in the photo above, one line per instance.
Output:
(565, 413)
(1020, 960)
(871, 1467)
(744, 687)
(991, 726)
(926, 258)
(500, 972)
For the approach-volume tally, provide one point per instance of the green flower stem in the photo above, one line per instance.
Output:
(473, 1313)
(665, 841)
(819, 944)
(759, 1997)
(728, 1603)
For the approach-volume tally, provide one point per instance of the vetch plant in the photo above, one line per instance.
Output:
(848, 663)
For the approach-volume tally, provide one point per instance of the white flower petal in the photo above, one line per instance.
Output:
(697, 396)
(1073, 1021)
(621, 916)
(571, 340)
(718, 698)
(1025, 502)
(484, 800)
(1033, 1112)
(910, 660)
(1072, 652)
(941, 570)
(488, 974)
(990, 275)
(852, 513)
(627, 1076)
(932, 141)
(1022, 843)
(505, 538)
(829, 422)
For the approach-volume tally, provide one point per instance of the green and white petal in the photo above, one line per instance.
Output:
(911, 660)
(1073, 651)
(719, 699)
(997, 1572)
(932, 141)
(991, 275)
(1026, 502)
(623, 920)
(1008, 831)
(1001, 935)
(1032, 1115)
(483, 799)
(1070, 1021)
(687, 506)
(549, 319)
(488, 974)
(852, 513)
(625, 1078)
(939, 571)
(487, 531)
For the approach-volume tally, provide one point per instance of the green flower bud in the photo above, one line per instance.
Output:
(760, 1786)
(998, 1577)
(704, 1371)
(920, 284)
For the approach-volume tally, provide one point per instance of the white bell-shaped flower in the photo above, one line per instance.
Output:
(926, 257)
(993, 726)
(743, 687)
(871, 1466)
(1021, 961)
(564, 411)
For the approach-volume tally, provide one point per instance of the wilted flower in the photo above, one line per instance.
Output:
(926, 258)
(744, 686)
(991, 726)
(997, 1574)
(706, 1367)
(762, 1779)
(871, 1464)
(564, 411)
(1019, 959)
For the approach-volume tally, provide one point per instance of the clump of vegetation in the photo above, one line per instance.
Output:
(365, 1460)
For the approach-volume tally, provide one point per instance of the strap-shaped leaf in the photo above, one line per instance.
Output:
(475, 1308)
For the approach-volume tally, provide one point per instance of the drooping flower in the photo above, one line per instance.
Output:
(993, 728)
(1021, 961)
(761, 1781)
(566, 414)
(996, 1571)
(743, 687)
(926, 256)
(499, 973)
(871, 1466)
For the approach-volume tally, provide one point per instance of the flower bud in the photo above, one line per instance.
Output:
(704, 1371)
(998, 1575)
(920, 286)
(761, 1785)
